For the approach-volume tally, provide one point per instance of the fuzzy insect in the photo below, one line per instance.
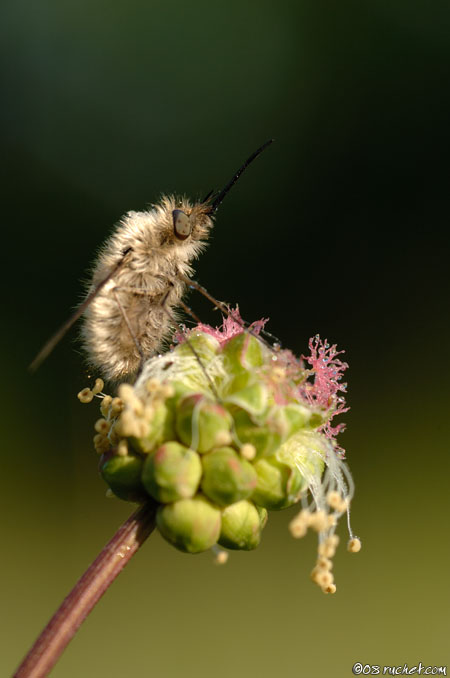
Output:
(139, 279)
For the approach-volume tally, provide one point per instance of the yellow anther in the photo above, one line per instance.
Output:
(319, 521)
(248, 451)
(102, 426)
(130, 399)
(330, 589)
(324, 563)
(298, 528)
(326, 550)
(98, 386)
(116, 406)
(126, 392)
(105, 405)
(314, 573)
(223, 438)
(127, 425)
(306, 516)
(85, 396)
(354, 545)
(137, 406)
(328, 547)
(221, 558)
(334, 500)
(152, 385)
(324, 578)
(101, 444)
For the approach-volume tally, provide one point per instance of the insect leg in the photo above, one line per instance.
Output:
(222, 307)
(187, 309)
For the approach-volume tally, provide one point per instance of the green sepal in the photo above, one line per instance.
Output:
(123, 475)
(205, 346)
(201, 423)
(241, 526)
(242, 352)
(306, 450)
(172, 472)
(253, 398)
(265, 437)
(227, 477)
(279, 484)
(237, 382)
(191, 525)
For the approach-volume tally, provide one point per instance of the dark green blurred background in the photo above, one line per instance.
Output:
(341, 227)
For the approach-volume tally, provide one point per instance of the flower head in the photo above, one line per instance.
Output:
(222, 429)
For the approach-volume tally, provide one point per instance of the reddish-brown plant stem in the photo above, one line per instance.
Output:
(86, 593)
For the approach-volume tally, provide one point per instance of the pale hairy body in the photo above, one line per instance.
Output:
(135, 307)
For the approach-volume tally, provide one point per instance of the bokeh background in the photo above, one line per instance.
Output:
(341, 227)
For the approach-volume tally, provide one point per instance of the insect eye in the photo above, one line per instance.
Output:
(181, 225)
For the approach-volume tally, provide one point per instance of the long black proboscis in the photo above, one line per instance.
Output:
(56, 338)
(215, 204)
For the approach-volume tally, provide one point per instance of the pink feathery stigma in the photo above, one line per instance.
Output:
(231, 326)
(326, 388)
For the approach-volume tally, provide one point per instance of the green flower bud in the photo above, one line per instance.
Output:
(172, 472)
(242, 352)
(241, 526)
(123, 475)
(266, 438)
(227, 478)
(201, 423)
(191, 525)
(279, 484)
